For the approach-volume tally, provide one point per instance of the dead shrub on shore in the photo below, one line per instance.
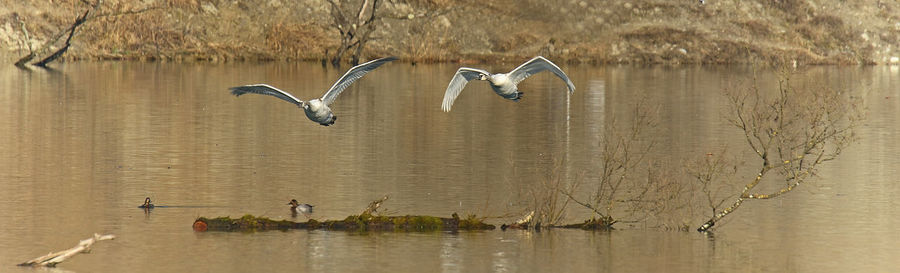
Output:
(295, 40)
(425, 45)
(124, 36)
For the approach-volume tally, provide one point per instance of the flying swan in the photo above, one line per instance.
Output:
(504, 84)
(316, 109)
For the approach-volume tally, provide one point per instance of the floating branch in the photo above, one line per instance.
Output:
(373, 207)
(50, 260)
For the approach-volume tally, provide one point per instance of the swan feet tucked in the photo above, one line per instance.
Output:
(333, 118)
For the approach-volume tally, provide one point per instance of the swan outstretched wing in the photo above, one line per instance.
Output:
(265, 89)
(351, 76)
(538, 64)
(463, 76)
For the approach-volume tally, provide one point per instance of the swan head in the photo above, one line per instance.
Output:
(483, 77)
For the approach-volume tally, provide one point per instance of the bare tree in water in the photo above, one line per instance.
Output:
(355, 30)
(791, 132)
(628, 184)
(708, 175)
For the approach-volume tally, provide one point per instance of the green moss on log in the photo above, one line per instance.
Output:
(245, 223)
(472, 223)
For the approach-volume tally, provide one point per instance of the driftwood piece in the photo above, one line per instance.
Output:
(373, 207)
(53, 258)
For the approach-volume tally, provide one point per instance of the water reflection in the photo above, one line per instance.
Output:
(451, 256)
(84, 144)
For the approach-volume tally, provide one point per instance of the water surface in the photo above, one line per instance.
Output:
(83, 144)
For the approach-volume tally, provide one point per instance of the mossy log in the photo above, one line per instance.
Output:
(363, 222)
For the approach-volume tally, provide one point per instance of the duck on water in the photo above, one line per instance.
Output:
(296, 207)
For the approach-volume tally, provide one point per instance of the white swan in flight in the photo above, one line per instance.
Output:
(316, 109)
(504, 84)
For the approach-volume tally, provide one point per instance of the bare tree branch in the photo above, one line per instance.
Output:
(792, 134)
(88, 15)
(78, 21)
(621, 187)
(355, 31)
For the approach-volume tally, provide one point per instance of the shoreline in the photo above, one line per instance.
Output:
(826, 32)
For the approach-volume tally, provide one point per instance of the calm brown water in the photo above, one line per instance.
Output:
(84, 144)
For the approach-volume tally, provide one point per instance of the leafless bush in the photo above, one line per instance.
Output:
(293, 40)
(426, 45)
(708, 175)
(626, 179)
(548, 204)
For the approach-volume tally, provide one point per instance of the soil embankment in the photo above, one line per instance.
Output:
(615, 31)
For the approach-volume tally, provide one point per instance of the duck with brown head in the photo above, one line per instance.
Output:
(148, 204)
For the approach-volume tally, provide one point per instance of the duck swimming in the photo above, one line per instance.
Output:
(504, 84)
(147, 204)
(316, 109)
(296, 207)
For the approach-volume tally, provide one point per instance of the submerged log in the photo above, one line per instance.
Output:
(589, 224)
(53, 258)
(362, 222)
(592, 224)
